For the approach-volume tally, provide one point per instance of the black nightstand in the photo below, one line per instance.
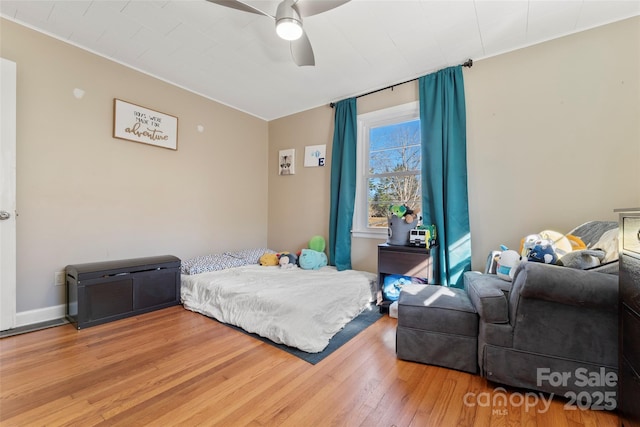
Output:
(406, 261)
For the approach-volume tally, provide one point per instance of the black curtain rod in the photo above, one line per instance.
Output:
(468, 63)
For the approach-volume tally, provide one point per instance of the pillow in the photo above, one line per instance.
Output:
(592, 231)
(250, 256)
(210, 262)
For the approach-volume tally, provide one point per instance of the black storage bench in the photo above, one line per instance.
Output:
(101, 292)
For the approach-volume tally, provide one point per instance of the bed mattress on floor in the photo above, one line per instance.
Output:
(296, 307)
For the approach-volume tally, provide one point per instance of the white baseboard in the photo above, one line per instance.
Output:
(31, 317)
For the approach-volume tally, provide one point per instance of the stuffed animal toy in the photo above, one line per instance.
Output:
(527, 243)
(543, 251)
(404, 212)
(507, 262)
(268, 259)
(398, 210)
(560, 243)
(399, 225)
(287, 260)
(576, 243)
(312, 260)
(582, 259)
(317, 243)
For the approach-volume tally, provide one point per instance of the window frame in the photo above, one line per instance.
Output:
(365, 122)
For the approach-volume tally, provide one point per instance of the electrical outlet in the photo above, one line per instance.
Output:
(58, 278)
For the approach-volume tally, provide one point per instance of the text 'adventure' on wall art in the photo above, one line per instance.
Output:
(139, 124)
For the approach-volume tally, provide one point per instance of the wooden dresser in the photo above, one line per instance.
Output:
(629, 291)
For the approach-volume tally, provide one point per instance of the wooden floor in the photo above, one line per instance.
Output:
(175, 367)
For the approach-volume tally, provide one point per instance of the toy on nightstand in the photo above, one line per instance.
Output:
(400, 222)
(423, 236)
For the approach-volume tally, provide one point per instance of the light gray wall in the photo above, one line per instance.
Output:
(83, 196)
(570, 105)
(553, 140)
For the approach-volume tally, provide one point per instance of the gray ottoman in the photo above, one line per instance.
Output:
(437, 325)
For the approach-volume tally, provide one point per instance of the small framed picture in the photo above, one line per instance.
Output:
(287, 162)
(314, 155)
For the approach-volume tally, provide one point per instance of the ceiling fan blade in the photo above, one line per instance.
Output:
(313, 7)
(301, 51)
(238, 5)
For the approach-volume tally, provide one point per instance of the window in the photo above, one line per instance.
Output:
(388, 169)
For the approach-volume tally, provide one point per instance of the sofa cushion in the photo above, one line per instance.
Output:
(489, 295)
(565, 286)
(437, 309)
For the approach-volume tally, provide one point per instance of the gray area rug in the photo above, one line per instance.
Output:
(350, 330)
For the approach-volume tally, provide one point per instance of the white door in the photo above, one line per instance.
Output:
(7, 194)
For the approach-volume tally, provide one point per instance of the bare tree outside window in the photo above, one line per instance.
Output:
(394, 170)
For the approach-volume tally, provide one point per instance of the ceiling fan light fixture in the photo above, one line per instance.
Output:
(289, 29)
(288, 21)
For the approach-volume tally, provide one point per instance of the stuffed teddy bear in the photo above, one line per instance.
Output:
(268, 259)
(507, 262)
(287, 260)
(312, 260)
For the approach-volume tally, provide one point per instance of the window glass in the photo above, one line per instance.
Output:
(390, 158)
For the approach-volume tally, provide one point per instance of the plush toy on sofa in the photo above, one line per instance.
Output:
(312, 260)
(543, 251)
(583, 259)
(287, 260)
(507, 262)
(527, 243)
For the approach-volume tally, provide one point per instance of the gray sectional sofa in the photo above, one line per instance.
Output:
(553, 328)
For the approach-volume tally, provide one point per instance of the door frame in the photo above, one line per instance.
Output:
(8, 84)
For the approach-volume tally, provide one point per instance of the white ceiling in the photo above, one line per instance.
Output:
(235, 57)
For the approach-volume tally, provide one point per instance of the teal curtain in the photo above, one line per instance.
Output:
(444, 171)
(343, 183)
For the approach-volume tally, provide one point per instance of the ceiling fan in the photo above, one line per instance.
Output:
(288, 21)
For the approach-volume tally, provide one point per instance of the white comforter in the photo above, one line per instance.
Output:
(295, 307)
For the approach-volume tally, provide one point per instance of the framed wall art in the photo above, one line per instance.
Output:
(287, 162)
(314, 155)
(139, 124)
